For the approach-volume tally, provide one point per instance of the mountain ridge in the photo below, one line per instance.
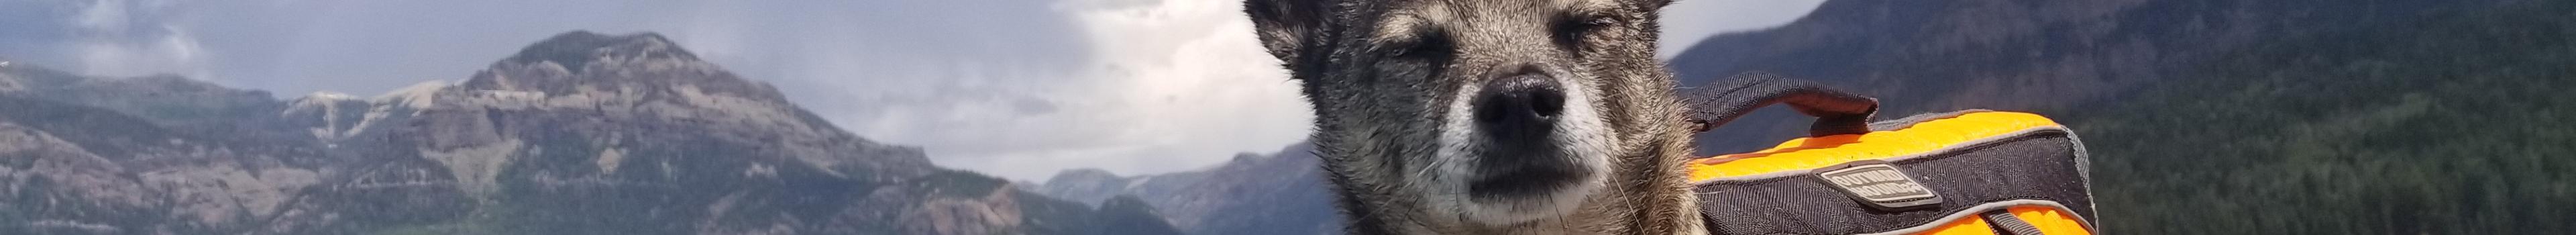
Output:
(1283, 192)
(1930, 56)
(582, 133)
(2220, 117)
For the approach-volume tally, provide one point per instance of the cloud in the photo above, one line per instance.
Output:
(1686, 22)
(105, 37)
(1185, 85)
(1171, 85)
(1016, 88)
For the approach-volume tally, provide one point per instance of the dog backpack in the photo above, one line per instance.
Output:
(1963, 172)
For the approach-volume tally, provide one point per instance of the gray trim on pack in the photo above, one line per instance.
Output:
(1909, 121)
(1982, 208)
(2083, 164)
(2080, 159)
(2006, 223)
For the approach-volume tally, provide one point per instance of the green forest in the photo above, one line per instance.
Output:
(2459, 124)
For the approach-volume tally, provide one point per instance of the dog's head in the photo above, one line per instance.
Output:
(1476, 113)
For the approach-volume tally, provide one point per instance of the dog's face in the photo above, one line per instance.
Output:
(1466, 114)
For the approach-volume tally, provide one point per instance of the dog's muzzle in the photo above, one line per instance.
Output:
(1517, 112)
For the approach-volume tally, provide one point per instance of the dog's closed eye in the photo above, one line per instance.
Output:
(1408, 37)
(1569, 30)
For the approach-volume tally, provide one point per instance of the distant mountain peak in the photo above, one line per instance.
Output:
(585, 62)
(1087, 173)
(329, 95)
(573, 50)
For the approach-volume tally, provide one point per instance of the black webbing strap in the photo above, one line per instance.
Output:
(2005, 223)
(1837, 112)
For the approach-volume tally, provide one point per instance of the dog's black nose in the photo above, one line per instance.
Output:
(1518, 111)
(1520, 105)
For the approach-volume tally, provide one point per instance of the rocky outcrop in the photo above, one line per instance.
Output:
(72, 169)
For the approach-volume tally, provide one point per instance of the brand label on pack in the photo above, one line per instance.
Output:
(1878, 184)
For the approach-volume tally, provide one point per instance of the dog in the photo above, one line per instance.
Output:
(1489, 116)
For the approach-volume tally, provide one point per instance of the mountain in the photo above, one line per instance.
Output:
(1924, 56)
(144, 155)
(1092, 186)
(2453, 124)
(1282, 193)
(2225, 117)
(581, 133)
(1128, 215)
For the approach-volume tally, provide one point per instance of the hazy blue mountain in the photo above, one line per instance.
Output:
(1128, 215)
(582, 133)
(1281, 193)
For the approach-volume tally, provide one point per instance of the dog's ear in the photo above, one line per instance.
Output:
(1287, 26)
(1644, 5)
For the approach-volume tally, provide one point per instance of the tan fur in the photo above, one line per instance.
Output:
(1378, 109)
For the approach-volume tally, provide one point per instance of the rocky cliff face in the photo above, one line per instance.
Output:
(581, 133)
(145, 155)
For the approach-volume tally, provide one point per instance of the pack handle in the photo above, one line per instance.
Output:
(1837, 112)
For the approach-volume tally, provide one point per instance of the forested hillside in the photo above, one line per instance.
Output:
(2457, 124)
(1939, 55)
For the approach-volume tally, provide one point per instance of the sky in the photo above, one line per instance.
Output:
(1015, 88)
